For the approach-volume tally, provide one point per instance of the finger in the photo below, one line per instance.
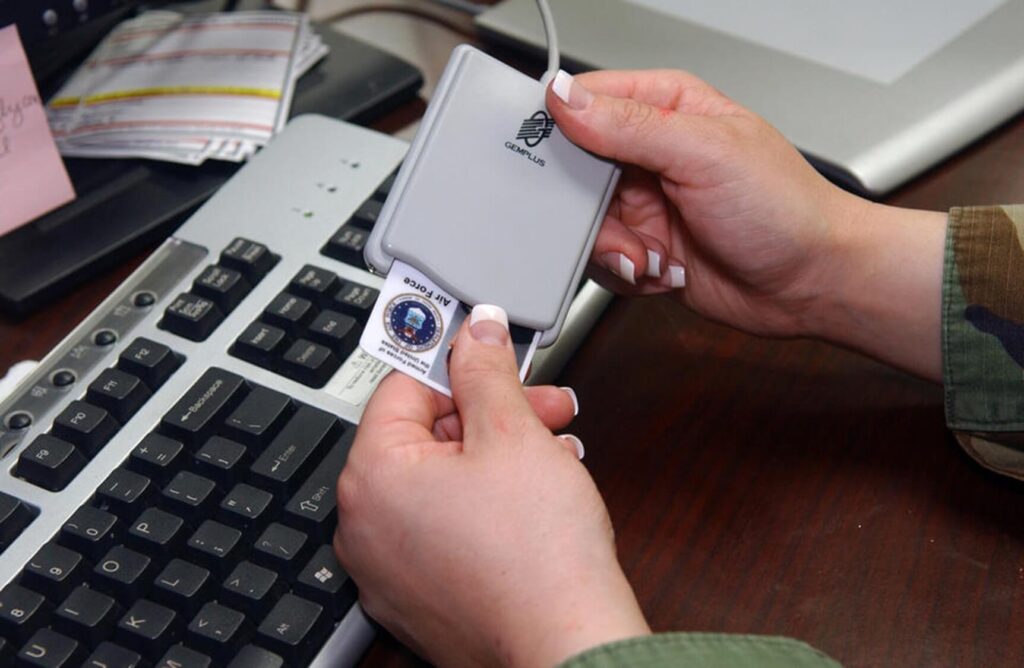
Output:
(666, 89)
(555, 407)
(485, 380)
(401, 411)
(656, 138)
(621, 253)
(573, 444)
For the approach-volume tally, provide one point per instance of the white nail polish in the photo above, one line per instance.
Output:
(488, 312)
(625, 270)
(580, 450)
(653, 264)
(677, 276)
(562, 85)
(575, 400)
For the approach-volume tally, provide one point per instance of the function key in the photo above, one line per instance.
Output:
(191, 316)
(49, 462)
(314, 283)
(337, 331)
(309, 363)
(200, 410)
(347, 245)
(49, 649)
(226, 287)
(14, 517)
(151, 361)
(289, 312)
(120, 393)
(260, 344)
(356, 300)
(253, 259)
(366, 215)
(87, 426)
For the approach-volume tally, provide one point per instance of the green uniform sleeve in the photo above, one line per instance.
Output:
(703, 650)
(983, 334)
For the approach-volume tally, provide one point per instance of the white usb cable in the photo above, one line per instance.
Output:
(552, 39)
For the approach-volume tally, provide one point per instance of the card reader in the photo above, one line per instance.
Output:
(492, 202)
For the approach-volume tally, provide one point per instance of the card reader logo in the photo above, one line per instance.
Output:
(536, 129)
(413, 323)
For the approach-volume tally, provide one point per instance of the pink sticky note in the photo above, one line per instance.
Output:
(32, 177)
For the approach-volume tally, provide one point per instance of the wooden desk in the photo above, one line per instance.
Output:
(780, 487)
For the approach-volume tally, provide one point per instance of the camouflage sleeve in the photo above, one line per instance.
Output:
(983, 334)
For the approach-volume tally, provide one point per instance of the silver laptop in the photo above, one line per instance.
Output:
(872, 91)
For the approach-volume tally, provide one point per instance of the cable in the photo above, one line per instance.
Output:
(400, 9)
(552, 37)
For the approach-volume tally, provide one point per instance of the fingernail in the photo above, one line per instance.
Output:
(571, 91)
(489, 324)
(677, 275)
(621, 266)
(575, 401)
(653, 264)
(576, 442)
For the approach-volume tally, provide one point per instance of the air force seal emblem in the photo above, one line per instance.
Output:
(413, 323)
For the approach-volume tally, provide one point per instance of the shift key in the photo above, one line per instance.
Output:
(311, 509)
(283, 466)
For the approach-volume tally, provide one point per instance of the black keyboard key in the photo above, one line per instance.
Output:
(182, 586)
(347, 245)
(259, 417)
(189, 496)
(384, 189)
(246, 508)
(54, 571)
(281, 549)
(157, 457)
(14, 517)
(22, 611)
(122, 573)
(109, 655)
(294, 628)
(191, 316)
(120, 393)
(49, 649)
(283, 465)
(157, 533)
(323, 581)
(260, 344)
(218, 631)
(224, 287)
(151, 361)
(221, 459)
(200, 410)
(367, 214)
(337, 331)
(316, 284)
(87, 426)
(49, 462)
(251, 588)
(312, 508)
(309, 363)
(179, 656)
(87, 614)
(216, 546)
(89, 531)
(356, 300)
(148, 628)
(253, 259)
(124, 493)
(252, 656)
(289, 312)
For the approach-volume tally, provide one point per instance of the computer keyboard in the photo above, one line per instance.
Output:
(167, 489)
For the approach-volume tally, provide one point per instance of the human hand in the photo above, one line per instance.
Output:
(707, 186)
(476, 536)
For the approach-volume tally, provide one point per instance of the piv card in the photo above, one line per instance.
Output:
(414, 322)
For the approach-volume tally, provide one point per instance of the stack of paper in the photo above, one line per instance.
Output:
(185, 88)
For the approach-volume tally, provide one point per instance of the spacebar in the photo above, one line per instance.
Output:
(311, 509)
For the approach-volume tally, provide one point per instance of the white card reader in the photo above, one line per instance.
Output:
(492, 202)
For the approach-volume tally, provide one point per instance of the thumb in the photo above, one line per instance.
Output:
(485, 380)
(622, 128)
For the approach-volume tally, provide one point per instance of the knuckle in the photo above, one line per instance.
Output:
(632, 115)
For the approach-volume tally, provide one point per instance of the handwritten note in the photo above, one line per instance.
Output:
(32, 177)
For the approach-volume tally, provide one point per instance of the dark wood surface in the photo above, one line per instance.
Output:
(780, 487)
